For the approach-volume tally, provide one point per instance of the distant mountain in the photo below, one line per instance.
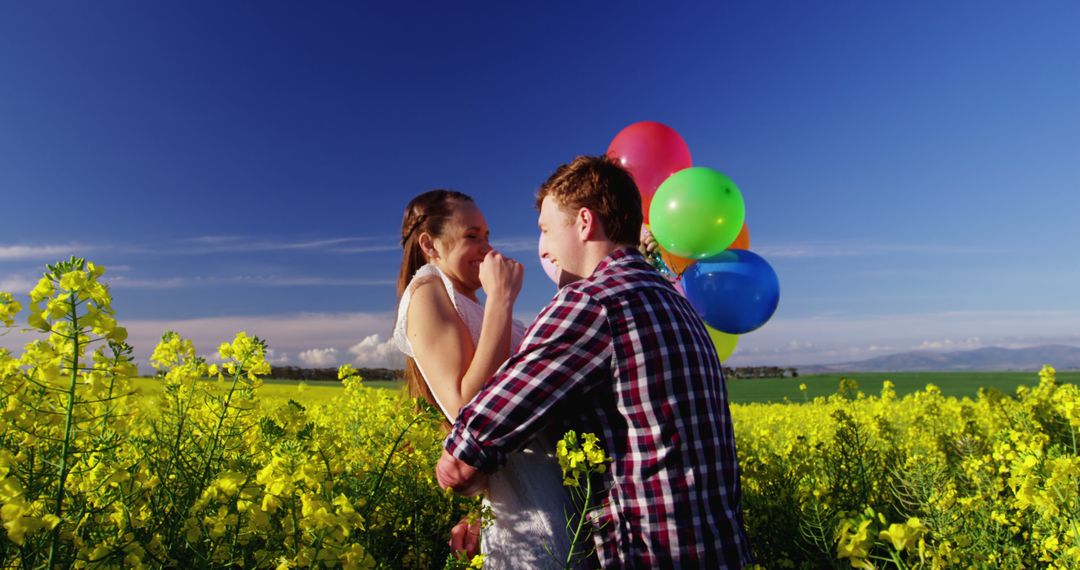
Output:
(1061, 357)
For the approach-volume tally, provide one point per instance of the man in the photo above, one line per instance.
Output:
(620, 353)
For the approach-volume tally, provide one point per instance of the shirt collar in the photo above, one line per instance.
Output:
(624, 254)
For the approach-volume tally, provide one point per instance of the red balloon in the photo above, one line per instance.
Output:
(651, 151)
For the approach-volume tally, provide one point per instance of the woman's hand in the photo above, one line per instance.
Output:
(501, 276)
(465, 538)
(647, 244)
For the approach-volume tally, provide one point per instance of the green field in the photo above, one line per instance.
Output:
(274, 390)
(743, 391)
(957, 384)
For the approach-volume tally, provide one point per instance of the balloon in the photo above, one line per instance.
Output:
(651, 152)
(677, 265)
(734, 292)
(549, 268)
(724, 342)
(697, 213)
(743, 239)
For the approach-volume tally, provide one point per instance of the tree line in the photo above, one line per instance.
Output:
(330, 374)
(759, 372)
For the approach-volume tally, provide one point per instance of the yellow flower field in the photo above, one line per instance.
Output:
(922, 481)
(202, 467)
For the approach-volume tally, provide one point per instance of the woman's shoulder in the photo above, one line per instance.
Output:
(428, 290)
(426, 276)
(430, 301)
(425, 303)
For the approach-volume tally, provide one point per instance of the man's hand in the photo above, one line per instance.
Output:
(455, 474)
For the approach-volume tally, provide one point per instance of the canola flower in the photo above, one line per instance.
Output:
(209, 475)
(205, 476)
(580, 458)
(922, 481)
(9, 307)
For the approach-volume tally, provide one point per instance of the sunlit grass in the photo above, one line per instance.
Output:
(958, 384)
(274, 391)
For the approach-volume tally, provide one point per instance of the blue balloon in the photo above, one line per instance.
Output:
(735, 291)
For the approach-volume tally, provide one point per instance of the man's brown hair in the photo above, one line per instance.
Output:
(603, 186)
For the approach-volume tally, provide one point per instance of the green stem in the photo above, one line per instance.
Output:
(221, 422)
(896, 560)
(581, 522)
(386, 465)
(297, 538)
(58, 509)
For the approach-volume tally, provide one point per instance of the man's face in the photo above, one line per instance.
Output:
(560, 241)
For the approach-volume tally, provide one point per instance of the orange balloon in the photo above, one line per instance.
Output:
(678, 264)
(675, 263)
(742, 241)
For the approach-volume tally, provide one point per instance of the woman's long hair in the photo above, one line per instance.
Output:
(428, 213)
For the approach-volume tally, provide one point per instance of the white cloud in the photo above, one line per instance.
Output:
(285, 334)
(202, 245)
(160, 283)
(245, 281)
(17, 285)
(276, 359)
(813, 250)
(51, 252)
(368, 248)
(319, 357)
(374, 352)
(517, 244)
(803, 250)
(213, 240)
(820, 339)
(950, 344)
(832, 338)
(242, 244)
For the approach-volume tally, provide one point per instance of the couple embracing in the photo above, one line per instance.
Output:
(617, 352)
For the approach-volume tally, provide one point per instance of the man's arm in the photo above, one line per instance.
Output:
(569, 341)
(455, 474)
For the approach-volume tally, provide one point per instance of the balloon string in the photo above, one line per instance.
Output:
(658, 263)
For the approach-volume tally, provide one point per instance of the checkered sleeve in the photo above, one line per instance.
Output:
(569, 340)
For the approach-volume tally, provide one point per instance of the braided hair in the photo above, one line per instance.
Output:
(426, 213)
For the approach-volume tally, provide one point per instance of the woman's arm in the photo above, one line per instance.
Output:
(455, 369)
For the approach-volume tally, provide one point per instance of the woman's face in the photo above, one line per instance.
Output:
(462, 246)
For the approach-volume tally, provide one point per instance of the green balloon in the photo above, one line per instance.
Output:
(697, 213)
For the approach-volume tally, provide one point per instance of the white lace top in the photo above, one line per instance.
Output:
(471, 312)
(526, 495)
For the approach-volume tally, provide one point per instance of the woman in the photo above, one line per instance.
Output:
(453, 345)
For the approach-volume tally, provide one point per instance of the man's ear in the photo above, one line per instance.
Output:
(588, 224)
(427, 245)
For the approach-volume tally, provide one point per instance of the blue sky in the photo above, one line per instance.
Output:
(911, 171)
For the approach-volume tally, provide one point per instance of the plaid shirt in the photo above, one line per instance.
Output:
(623, 355)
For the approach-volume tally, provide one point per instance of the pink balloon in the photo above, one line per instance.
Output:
(549, 268)
(651, 151)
